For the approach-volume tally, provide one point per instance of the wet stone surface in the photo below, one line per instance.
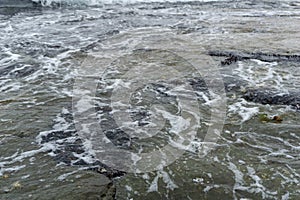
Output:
(272, 97)
(255, 46)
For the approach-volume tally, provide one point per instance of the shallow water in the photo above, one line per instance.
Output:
(124, 101)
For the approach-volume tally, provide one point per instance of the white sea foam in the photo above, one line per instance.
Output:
(244, 109)
(101, 2)
(154, 185)
(166, 179)
(258, 74)
(18, 157)
(269, 75)
(4, 170)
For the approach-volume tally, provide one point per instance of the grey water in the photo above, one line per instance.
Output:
(117, 99)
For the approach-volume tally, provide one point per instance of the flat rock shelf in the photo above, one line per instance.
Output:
(252, 46)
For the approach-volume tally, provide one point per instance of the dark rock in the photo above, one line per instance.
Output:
(264, 96)
(17, 3)
(228, 61)
(11, 7)
(56, 135)
(267, 57)
(18, 70)
(198, 84)
(118, 137)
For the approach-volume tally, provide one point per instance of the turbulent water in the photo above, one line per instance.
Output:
(149, 99)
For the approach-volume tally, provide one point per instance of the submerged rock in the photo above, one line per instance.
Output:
(11, 7)
(17, 3)
(233, 83)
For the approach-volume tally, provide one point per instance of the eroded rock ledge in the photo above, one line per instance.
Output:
(266, 57)
(265, 96)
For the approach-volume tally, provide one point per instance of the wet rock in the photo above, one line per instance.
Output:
(56, 135)
(84, 185)
(267, 57)
(11, 7)
(35, 49)
(70, 150)
(228, 61)
(108, 172)
(198, 84)
(17, 3)
(117, 136)
(44, 179)
(264, 96)
(18, 70)
(259, 95)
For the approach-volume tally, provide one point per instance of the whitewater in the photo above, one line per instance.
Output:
(136, 99)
